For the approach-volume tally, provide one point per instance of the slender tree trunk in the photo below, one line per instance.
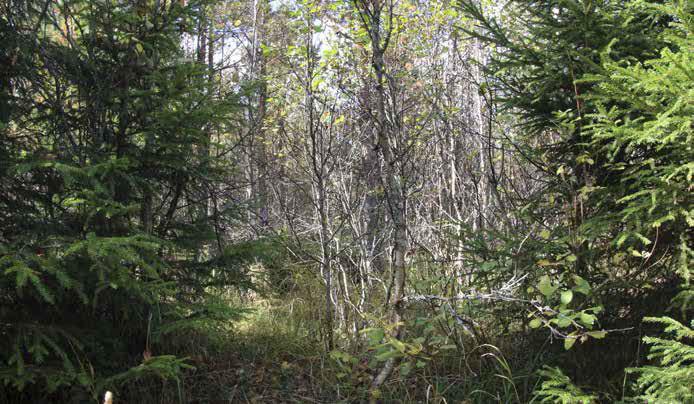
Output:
(387, 132)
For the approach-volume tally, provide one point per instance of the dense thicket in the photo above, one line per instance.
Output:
(397, 201)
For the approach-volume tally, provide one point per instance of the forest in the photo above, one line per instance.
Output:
(346, 201)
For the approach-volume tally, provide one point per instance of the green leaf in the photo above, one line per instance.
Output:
(563, 321)
(535, 323)
(597, 334)
(569, 342)
(582, 286)
(587, 319)
(375, 335)
(405, 369)
(545, 286)
(566, 296)
(399, 345)
(384, 356)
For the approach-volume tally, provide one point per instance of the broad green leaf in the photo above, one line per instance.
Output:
(384, 356)
(569, 342)
(597, 334)
(545, 286)
(563, 321)
(582, 286)
(587, 319)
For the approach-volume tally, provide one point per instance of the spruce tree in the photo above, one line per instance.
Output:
(104, 118)
(643, 124)
(600, 93)
(542, 50)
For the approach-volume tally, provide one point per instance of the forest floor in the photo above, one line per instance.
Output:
(262, 362)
